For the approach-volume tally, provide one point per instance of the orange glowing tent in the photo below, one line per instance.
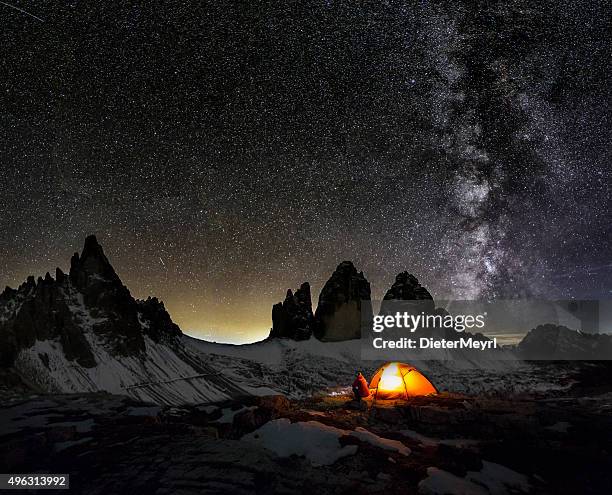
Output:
(399, 381)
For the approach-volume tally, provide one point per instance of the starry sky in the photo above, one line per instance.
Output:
(223, 152)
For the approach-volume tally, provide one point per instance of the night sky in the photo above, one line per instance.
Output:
(223, 152)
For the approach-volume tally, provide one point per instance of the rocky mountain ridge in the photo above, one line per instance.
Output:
(84, 332)
(339, 310)
(339, 316)
(561, 343)
(91, 296)
(293, 318)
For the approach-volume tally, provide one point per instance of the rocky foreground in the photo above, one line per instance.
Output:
(328, 444)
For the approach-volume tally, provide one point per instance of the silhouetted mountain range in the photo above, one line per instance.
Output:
(85, 332)
(91, 297)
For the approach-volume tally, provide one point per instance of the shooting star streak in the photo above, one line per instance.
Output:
(162, 262)
(21, 10)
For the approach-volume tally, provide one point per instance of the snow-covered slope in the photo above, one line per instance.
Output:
(162, 375)
(304, 368)
(296, 369)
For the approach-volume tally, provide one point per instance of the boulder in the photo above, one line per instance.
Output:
(278, 403)
(265, 409)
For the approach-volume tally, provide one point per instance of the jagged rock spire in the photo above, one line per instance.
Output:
(293, 317)
(91, 264)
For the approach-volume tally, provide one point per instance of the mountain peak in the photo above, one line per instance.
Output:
(91, 244)
(346, 267)
(406, 288)
(92, 264)
(293, 317)
(338, 314)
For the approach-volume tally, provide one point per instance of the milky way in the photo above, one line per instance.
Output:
(223, 153)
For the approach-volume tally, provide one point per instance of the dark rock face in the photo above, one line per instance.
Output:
(155, 320)
(407, 288)
(341, 303)
(91, 299)
(92, 275)
(293, 317)
(559, 342)
(40, 311)
(92, 266)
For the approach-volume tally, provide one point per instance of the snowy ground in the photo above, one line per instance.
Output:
(164, 375)
(317, 442)
(300, 369)
(204, 372)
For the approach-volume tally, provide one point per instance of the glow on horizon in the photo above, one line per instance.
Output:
(228, 336)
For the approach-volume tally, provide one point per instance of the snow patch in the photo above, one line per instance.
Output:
(272, 352)
(227, 414)
(384, 443)
(315, 441)
(302, 369)
(560, 426)
(491, 479)
(163, 377)
(81, 314)
(318, 442)
(260, 391)
(439, 482)
(499, 479)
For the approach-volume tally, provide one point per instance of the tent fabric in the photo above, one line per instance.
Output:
(399, 381)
